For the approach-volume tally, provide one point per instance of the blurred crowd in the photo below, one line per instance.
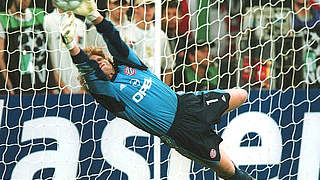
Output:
(199, 45)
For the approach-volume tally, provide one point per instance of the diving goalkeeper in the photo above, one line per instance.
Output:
(125, 87)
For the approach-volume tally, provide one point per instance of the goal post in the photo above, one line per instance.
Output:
(270, 48)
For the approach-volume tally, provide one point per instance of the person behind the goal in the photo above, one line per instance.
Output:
(126, 88)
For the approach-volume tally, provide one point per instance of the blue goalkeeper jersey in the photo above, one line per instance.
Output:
(134, 93)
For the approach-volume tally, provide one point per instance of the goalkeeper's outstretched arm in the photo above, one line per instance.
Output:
(117, 47)
(88, 8)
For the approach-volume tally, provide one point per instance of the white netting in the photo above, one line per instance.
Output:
(271, 48)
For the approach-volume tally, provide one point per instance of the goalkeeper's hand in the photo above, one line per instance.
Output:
(68, 30)
(88, 8)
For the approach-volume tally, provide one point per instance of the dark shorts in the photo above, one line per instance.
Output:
(192, 128)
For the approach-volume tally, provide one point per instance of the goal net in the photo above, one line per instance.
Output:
(51, 129)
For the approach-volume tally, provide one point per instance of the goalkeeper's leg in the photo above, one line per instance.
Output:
(227, 170)
(224, 167)
(237, 97)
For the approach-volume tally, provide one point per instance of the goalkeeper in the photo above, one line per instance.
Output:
(125, 87)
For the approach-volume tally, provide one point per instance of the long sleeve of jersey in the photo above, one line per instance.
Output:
(120, 51)
(134, 94)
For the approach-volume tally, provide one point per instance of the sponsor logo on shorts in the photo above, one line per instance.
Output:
(213, 153)
(129, 71)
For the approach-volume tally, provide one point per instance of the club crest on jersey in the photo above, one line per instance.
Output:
(213, 153)
(129, 71)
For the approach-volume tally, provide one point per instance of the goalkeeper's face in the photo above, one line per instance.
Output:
(106, 67)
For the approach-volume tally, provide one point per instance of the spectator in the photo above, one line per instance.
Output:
(215, 21)
(306, 23)
(315, 4)
(143, 36)
(305, 14)
(171, 18)
(23, 54)
(66, 69)
(117, 14)
(93, 38)
(198, 72)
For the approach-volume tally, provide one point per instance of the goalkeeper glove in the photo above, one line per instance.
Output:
(68, 30)
(88, 8)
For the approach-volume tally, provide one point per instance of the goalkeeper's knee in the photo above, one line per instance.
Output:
(240, 175)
